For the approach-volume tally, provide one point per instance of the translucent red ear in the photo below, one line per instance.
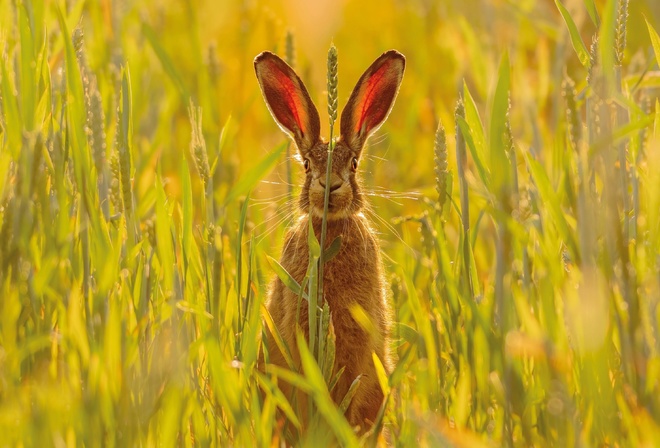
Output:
(372, 99)
(288, 100)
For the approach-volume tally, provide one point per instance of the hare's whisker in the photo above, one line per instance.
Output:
(377, 138)
(267, 200)
(389, 227)
(272, 228)
(378, 188)
(281, 182)
(375, 157)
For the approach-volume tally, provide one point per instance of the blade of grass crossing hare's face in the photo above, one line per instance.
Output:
(331, 202)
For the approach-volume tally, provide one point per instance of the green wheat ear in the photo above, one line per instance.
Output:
(332, 112)
(621, 21)
(441, 171)
(332, 86)
(115, 182)
(198, 144)
(572, 117)
(95, 117)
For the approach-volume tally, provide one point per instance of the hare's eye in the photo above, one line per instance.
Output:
(354, 163)
(306, 164)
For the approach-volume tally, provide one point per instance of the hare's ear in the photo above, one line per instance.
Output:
(372, 99)
(288, 100)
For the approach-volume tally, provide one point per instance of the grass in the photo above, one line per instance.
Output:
(144, 191)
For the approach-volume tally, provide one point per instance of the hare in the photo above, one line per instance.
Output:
(354, 275)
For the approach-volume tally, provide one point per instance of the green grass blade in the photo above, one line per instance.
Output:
(593, 12)
(279, 341)
(383, 380)
(13, 121)
(187, 216)
(313, 273)
(295, 379)
(164, 245)
(5, 163)
(286, 278)
(322, 397)
(655, 40)
(28, 69)
(333, 249)
(576, 39)
(549, 198)
(348, 398)
(477, 155)
(280, 399)
(473, 120)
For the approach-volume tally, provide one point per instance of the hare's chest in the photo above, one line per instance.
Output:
(353, 275)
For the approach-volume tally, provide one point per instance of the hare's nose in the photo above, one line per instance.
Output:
(334, 185)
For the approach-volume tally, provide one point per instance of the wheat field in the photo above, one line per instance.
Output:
(145, 191)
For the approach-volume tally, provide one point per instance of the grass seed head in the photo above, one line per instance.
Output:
(508, 132)
(122, 170)
(78, 39)
(332, 84)
(621, 22)
(115, 183)
(441, 166)
(198, 144)
(572, 118)
(96, 130)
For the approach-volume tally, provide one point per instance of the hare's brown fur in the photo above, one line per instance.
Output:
(354, 276)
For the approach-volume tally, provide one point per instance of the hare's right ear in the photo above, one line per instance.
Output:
(288, 100)
(372, 99)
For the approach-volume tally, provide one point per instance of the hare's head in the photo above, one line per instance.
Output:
(294, 111)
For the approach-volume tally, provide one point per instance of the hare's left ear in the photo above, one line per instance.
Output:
(288, 100)
(372, 99)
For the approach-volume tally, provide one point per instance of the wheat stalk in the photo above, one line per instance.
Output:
(332, 113)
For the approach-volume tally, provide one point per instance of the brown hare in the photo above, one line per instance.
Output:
(354, 275)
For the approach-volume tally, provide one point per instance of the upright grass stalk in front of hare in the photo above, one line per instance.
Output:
(332, 112)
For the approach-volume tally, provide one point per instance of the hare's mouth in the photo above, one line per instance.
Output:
(338, 204)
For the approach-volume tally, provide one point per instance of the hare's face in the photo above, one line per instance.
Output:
(293, 110)
(345, 198)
